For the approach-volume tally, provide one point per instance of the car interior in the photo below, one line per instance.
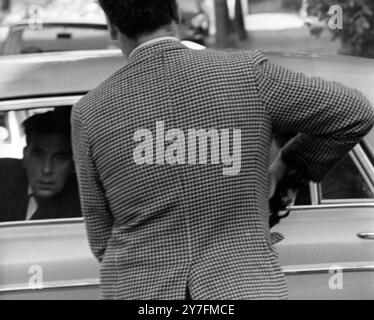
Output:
(12, 142)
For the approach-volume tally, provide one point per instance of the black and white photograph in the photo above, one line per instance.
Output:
(186, 150)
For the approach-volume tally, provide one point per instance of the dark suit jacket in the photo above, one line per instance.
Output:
(159, 228)
(14, 196)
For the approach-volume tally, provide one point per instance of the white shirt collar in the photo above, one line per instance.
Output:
(151, 42)
(32, 205)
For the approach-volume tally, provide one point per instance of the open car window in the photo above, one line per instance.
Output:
(347, 182)
(37, 175)
(15, 141)
(351, 181)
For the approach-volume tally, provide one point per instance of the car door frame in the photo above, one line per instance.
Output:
(50, 289)
(325, 270)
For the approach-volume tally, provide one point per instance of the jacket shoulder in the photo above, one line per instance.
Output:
(254, 56)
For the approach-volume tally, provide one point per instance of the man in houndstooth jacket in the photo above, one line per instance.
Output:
(158, 229)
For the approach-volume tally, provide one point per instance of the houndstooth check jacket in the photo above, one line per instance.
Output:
(158, 229)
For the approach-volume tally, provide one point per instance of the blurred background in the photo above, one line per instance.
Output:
(270, 25)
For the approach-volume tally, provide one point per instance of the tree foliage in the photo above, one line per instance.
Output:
(357, 35)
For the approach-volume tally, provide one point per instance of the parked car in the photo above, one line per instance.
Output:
(65, 35)
(328, 246)
(71, 34)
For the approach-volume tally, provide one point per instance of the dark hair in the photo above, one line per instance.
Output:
(138, 17)
(57, 121)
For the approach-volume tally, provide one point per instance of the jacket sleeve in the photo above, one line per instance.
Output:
(327, 118)
(95, 207)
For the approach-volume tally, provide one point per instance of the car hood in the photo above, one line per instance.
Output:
(59, 73)
(42, 74)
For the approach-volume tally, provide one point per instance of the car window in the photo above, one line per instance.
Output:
(12, 137)
(346, 181)
(37, 175)
(303, 197)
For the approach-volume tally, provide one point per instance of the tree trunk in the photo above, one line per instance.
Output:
(225, 36)
(239, 21)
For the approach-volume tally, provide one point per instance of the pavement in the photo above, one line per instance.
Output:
(286, 32)
(273, 21)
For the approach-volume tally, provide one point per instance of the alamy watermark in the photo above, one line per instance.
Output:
(336, 20)
(36, 279)
(336, 278)
(36, 17)
(151, 151)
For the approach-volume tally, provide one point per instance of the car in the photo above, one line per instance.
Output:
(328, 246)
(54, 35)
(66, 34)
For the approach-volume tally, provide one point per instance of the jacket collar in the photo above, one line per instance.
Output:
(153, 47)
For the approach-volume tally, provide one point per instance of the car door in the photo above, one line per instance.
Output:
(328, 250)
(327, 253)
(47, 260)
(42, 259)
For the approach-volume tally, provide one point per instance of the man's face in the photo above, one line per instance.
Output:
(48, 162)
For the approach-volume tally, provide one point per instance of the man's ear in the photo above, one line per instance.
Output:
(113, 30)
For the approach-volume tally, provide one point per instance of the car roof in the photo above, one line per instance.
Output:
(57, 73)
(72, 72)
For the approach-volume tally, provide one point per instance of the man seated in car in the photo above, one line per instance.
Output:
(42, 185)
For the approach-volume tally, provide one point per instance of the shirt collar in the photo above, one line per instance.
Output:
(147, 43)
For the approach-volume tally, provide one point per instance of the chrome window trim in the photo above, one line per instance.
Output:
(53, 286)
(314, 193)
(334, 206)
(365, 162)
(361, 168)
(24, 223)
(289, 271)
(81, 219)
(32, 103)
(344, 201)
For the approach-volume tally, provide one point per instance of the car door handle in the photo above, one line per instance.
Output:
(366, 235)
